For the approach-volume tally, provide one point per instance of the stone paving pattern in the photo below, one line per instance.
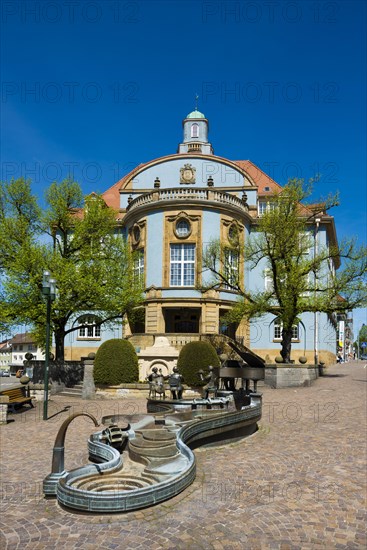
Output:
(298, 483)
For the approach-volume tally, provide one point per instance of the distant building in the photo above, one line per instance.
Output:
(20, 345)
(5, 355)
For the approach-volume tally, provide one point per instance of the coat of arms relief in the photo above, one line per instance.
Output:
(187, 174)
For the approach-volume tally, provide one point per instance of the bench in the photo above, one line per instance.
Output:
(17, 398)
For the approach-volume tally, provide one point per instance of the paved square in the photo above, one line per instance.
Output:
(300, 482)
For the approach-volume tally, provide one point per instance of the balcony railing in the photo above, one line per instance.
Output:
(184, 193)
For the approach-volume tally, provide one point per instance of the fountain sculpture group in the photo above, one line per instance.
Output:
(140, 460)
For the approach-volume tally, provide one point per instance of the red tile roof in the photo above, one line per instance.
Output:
(23, 338)
(112, 195)
(261, 179)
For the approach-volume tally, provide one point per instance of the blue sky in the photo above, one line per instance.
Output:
(96, 87)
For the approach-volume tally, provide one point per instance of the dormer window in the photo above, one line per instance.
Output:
(195, 130)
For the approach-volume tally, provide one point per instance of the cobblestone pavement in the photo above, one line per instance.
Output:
(298, 483)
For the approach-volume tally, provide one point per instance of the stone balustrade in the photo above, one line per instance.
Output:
(197, 194)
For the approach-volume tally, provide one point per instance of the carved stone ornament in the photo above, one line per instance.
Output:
(233, 234)
(187, 174)
(136, 233)
(153, 292)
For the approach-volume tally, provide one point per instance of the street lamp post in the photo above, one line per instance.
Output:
(49, 292)
(316, 314)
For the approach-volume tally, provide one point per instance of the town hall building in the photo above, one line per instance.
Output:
(170, 209)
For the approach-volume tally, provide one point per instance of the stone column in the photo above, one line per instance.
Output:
(89, 389)
(210, 318)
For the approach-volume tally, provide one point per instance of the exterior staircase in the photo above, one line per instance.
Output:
(75, 391)
(219, 341)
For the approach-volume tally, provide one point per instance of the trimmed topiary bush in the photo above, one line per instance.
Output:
(116, 363)
(193, 357)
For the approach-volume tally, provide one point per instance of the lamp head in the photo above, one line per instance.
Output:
(46, 279)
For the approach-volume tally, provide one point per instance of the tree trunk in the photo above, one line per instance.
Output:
(59, 344)
(286, 345)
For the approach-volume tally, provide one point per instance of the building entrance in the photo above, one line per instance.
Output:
(179, 320)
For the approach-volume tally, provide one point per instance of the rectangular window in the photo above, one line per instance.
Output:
(265, 206)
(278, 327)
(230, 268)
(89, 331)
(277, 331)
(182, 265)
(307, 280)
(139, 265)
(304, 243)
(268, 280)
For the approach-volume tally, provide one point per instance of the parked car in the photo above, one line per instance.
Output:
(5, 373)
(364, 356)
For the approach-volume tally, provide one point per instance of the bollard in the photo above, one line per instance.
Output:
(89, 389)
(4, 400)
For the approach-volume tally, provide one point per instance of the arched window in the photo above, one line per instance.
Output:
(195, 130)
(88, 327)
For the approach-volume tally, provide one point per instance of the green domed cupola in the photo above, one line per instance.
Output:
(195, 114)
(195, 130)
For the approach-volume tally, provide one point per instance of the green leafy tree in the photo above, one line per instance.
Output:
(301, 277)
(361, 338)
(196, 356)
(78, 241)
(116, 363)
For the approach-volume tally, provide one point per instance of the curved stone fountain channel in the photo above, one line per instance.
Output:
(157, 462)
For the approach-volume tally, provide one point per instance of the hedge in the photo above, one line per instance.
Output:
(116, 363)
(196, 356)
